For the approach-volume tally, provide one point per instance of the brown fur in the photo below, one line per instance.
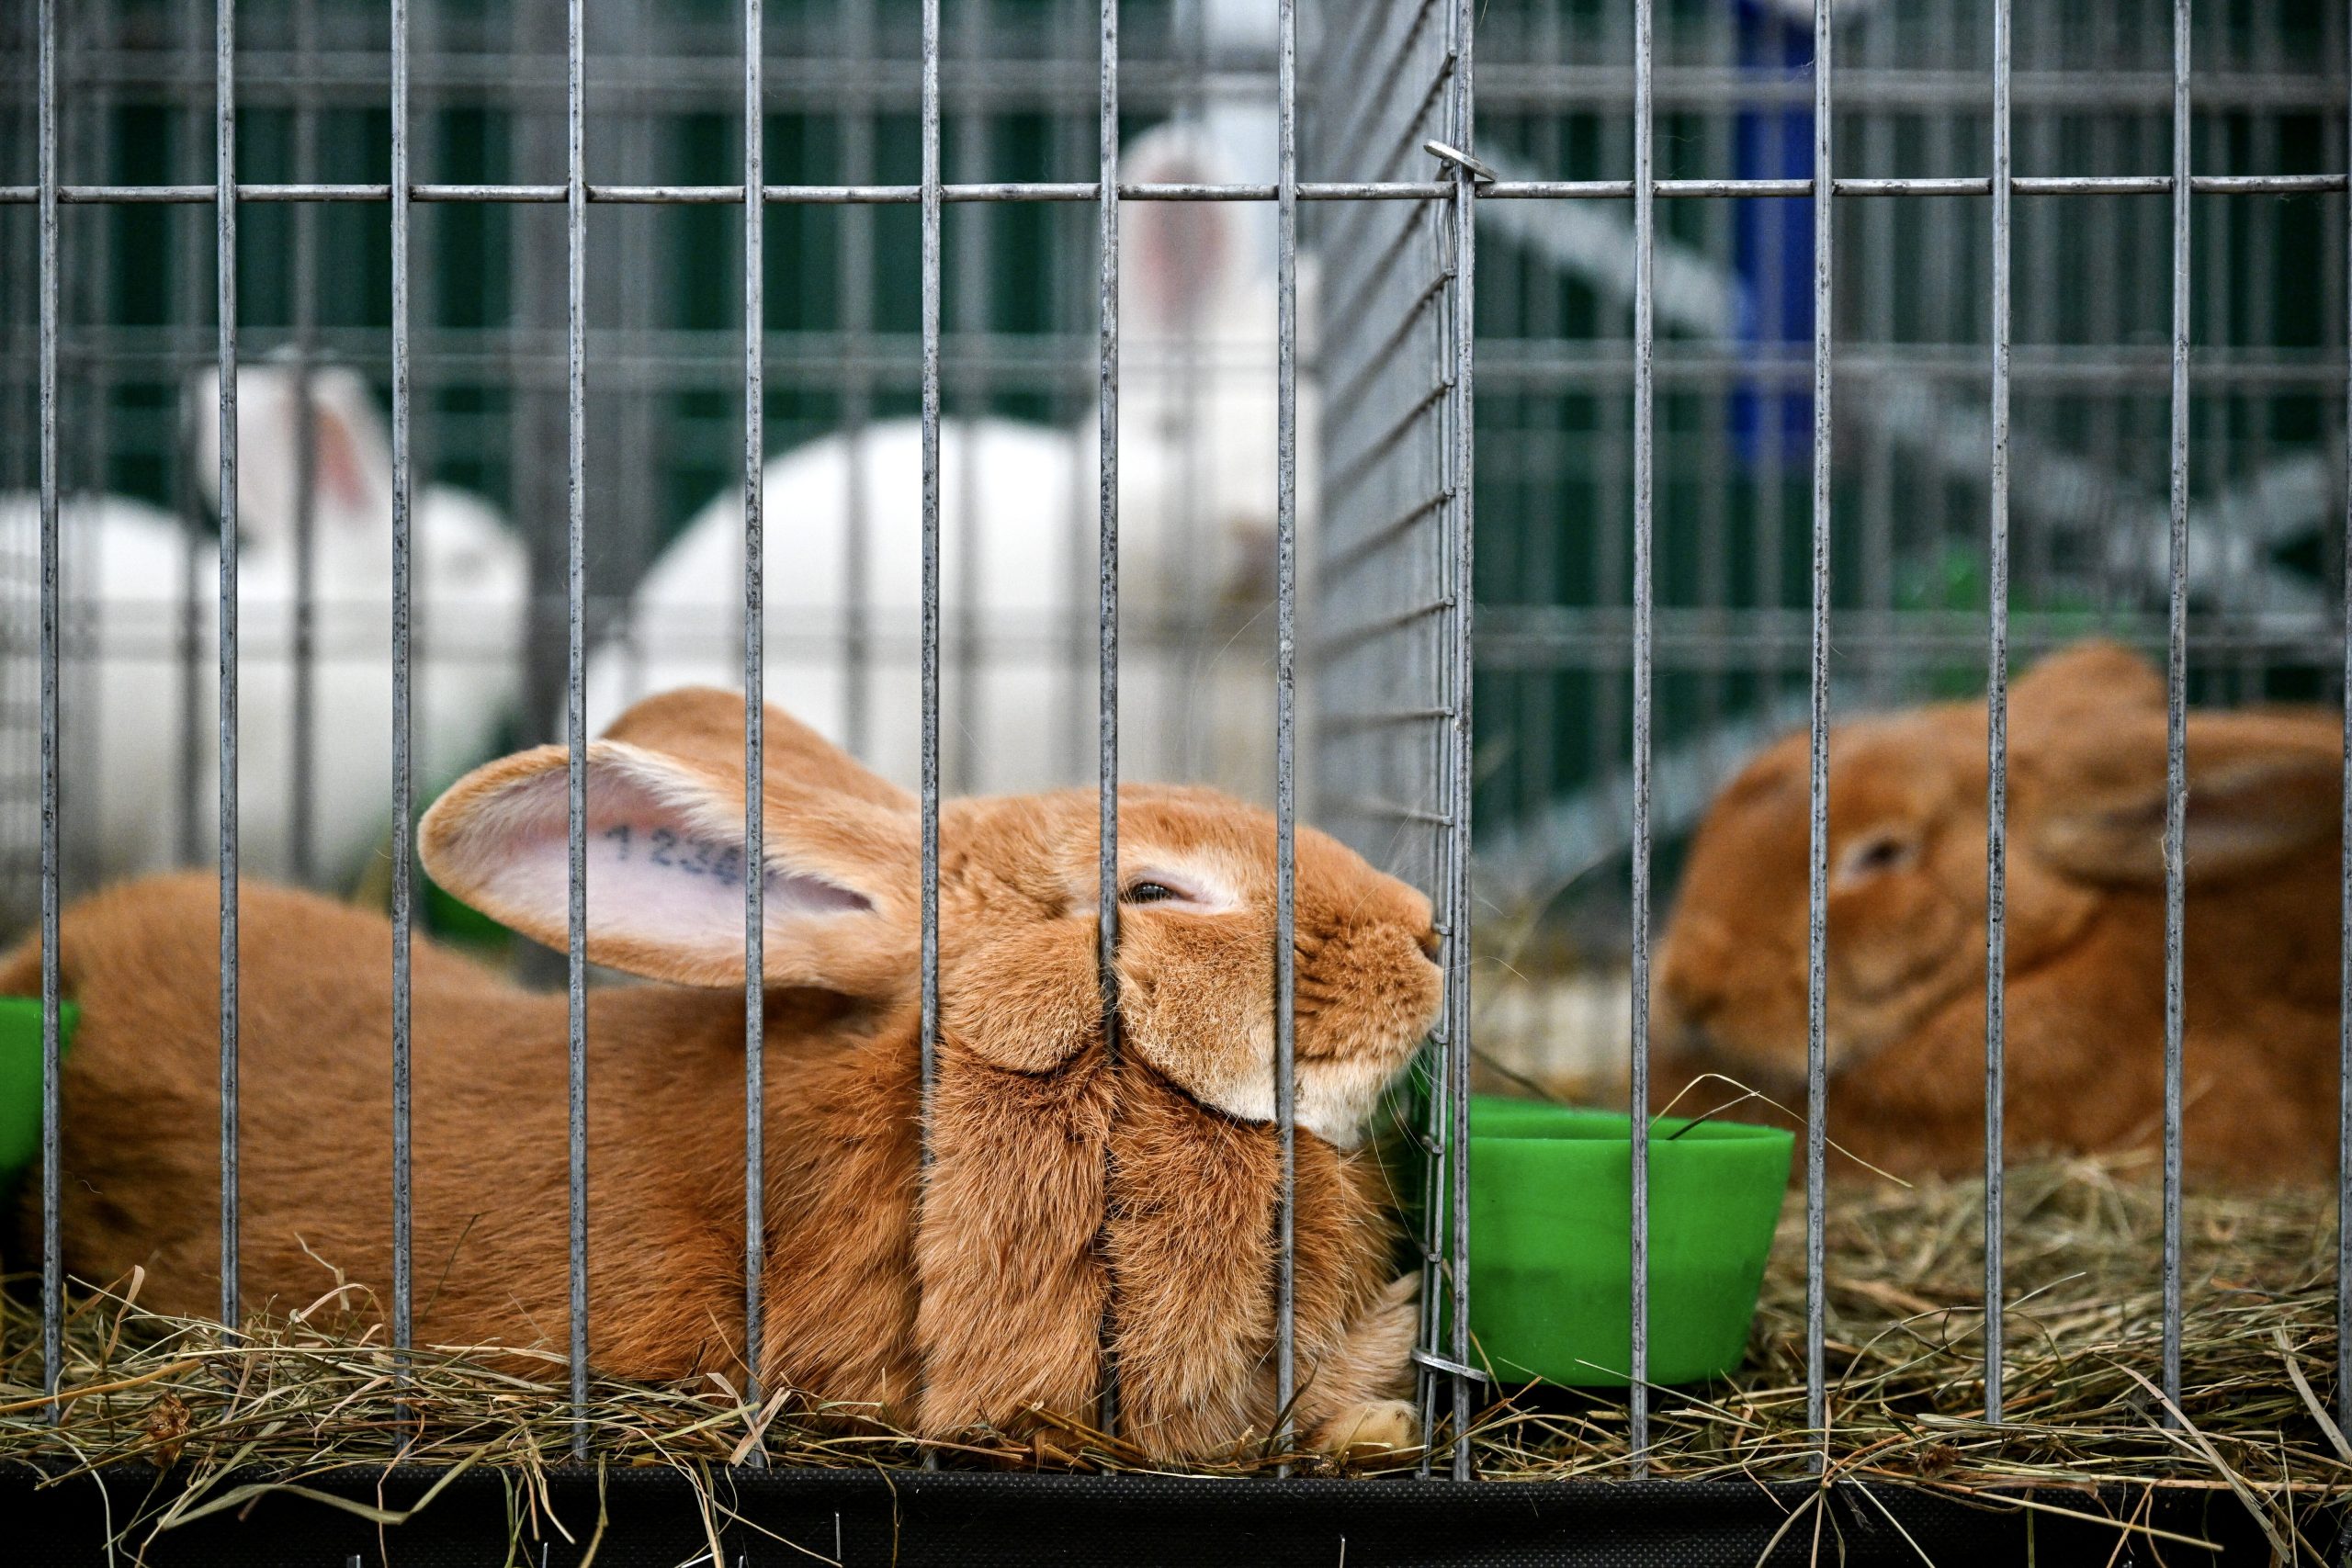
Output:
(1067, 1179)
(2085, 1007)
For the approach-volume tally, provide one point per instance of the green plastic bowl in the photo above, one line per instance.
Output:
(20, 1078)
(1550, 1241)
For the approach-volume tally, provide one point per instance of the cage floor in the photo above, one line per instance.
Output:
(415, 1515)
(174, 1418)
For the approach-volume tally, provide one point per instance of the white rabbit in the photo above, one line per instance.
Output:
(119, 715)
(1197, 501)
(127, 685)
(469, 575)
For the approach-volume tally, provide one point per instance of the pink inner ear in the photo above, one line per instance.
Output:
(656, 873)
(337, 459)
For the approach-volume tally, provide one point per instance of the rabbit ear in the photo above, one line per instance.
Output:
(2260, 788)
(2086, 678)
(350, 454)
(705, 725)
(353, 457)
(665, 853)
(1178, 260)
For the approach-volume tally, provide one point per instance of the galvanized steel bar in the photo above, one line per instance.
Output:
(1286, 710)
(2176, 701)
(872, 194)
(52, 1275)
(931, 305)
(1355, 553)
(403, 486)
(1457, 937)
(1106, 891)
(754, 716)
(224, 153)
(1645, 463)
(928, 1037)
(1997, 724)
(1441, 1150)
(575, 591)
(1816, 1071)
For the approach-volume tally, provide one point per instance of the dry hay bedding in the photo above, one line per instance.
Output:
(314, 1400)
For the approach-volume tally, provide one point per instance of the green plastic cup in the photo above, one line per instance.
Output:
(20, 1080)
(1550, 1241)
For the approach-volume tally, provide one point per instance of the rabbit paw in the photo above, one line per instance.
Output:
(1372, 1426)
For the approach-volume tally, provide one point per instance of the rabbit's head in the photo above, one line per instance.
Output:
(469, 561)
(1906, 854)
(1017, 889)
(351, 462)
(1198, 346)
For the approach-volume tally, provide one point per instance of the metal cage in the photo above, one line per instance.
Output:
(1743, 458)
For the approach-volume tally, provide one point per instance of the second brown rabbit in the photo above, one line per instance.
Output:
(973, 1294)
(2086, 930)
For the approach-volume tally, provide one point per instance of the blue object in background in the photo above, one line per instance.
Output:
(1772, 422)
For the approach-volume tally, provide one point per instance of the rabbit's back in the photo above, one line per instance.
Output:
(489, 1077)
(1016, 559)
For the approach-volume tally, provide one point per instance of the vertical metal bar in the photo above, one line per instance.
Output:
(1817, 870)
(930, 286)
(2177, 700)
(52, 1276)
(754, 708)
(1287, 706)
(575, 591)
(1106, 892)
(1644, 463)
(1457, 981)
(224, 156)
(1996, 723)
(403, 477)
(2343, 1037)
(928, 1037)
(1437, 1273)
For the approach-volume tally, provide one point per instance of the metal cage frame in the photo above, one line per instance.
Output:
(1434, 39)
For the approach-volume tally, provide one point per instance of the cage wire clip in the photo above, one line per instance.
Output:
(1436, 1362)
(1479, 173)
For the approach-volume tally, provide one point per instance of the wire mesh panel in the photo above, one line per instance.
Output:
(1392, 632)
(1035, 392)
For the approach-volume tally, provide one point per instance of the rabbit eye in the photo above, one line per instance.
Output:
(1880, 853)
(1150, 884)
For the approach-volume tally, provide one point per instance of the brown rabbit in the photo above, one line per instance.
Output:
(1906, 905)
(1062, 1184)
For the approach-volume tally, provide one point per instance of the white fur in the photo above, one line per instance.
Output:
(1197, 503)
(1336, 1099)
(125, 688)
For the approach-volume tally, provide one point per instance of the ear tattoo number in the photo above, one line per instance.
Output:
(689, 857)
